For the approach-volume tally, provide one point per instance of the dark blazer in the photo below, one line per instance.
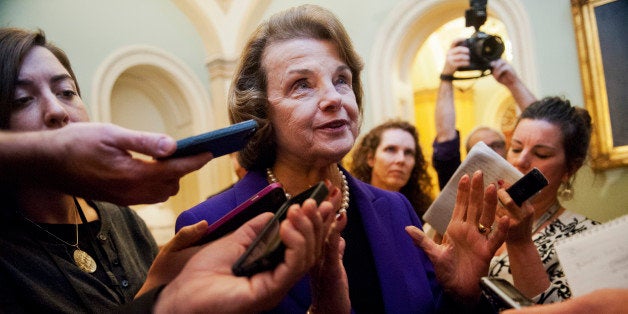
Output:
(407, 279)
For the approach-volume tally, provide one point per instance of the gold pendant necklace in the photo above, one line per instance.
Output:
(81, 259)
(84, 261)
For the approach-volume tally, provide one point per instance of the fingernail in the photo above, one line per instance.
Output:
(341, 213)
(500, 182)
(164, 145)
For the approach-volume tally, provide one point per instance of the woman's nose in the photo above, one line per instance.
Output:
(522, 162)
(331, 99)
(54, 111)
(400, 156)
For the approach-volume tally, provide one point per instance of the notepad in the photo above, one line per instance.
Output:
(596, 258)
(480, 157)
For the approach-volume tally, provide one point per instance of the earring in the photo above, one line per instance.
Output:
(566, 190)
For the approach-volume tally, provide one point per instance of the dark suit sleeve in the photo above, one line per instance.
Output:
(446, 159)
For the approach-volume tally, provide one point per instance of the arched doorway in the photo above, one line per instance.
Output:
(397, 83)
(145, 88)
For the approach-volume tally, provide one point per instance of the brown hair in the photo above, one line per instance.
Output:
(573, 122)
(247, 96)
(419, 186)
(15, 43)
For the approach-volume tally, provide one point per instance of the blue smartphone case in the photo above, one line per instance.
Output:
(218, 142)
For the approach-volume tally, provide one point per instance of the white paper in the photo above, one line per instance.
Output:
(480, 157)
(596, 258)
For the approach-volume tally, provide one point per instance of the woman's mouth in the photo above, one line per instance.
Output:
(334, 125)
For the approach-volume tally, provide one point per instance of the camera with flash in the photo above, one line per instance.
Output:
(483, 47)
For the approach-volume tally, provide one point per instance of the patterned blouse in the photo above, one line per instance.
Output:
(566, 225)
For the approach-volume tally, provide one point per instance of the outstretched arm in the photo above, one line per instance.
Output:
(528, 273)
(93, 160)
(505, 74)
(445, 112)
(466, 251)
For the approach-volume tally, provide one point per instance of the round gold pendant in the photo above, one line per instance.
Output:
(85, 262)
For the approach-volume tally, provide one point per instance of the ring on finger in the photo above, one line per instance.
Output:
(482, 229)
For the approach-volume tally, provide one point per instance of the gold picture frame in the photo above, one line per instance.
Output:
(609, 144)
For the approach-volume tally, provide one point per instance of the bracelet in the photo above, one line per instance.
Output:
(446, 77)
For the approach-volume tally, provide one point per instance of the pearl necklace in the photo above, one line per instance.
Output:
(345, 188)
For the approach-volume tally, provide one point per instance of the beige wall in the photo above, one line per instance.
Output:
(205, 36)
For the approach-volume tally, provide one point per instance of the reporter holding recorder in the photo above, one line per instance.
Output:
(41, 105)
(553, 136)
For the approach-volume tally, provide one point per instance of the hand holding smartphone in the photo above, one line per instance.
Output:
(267, 250)
(531, 183)
(219, 142)
(269, 198)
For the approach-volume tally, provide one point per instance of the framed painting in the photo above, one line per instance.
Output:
(601, 27)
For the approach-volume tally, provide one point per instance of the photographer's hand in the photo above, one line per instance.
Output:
(505, 74)
(457, 56)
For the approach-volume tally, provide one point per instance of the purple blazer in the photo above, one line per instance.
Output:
(406, 275)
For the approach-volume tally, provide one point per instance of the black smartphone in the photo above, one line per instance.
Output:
(502, 294)
(267, 250)
(528, 185)
(218, 142)
(266, 200)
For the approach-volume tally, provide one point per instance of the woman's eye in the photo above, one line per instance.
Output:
(22, 101)
(302, 83)
(343, 80)
(68, 93)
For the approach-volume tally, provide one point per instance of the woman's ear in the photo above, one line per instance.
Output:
(370, 160)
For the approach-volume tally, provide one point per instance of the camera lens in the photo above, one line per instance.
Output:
(491, 48)
(483, 48)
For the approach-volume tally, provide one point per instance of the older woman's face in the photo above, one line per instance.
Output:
(538, 143)
(312, 104)
(46, 94)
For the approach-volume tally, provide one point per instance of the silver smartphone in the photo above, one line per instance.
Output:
(502, 294)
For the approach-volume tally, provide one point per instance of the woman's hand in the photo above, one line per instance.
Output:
(330, 288)
(173, 256)
(527, 269)
(520, 218)
(469, 242)
(207, 283)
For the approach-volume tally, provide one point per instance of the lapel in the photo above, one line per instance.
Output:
(405, 274)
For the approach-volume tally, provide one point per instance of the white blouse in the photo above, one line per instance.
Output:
(566, 225)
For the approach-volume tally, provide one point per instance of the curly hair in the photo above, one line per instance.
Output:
(247, 96)
(419, 186)
(573, 122)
